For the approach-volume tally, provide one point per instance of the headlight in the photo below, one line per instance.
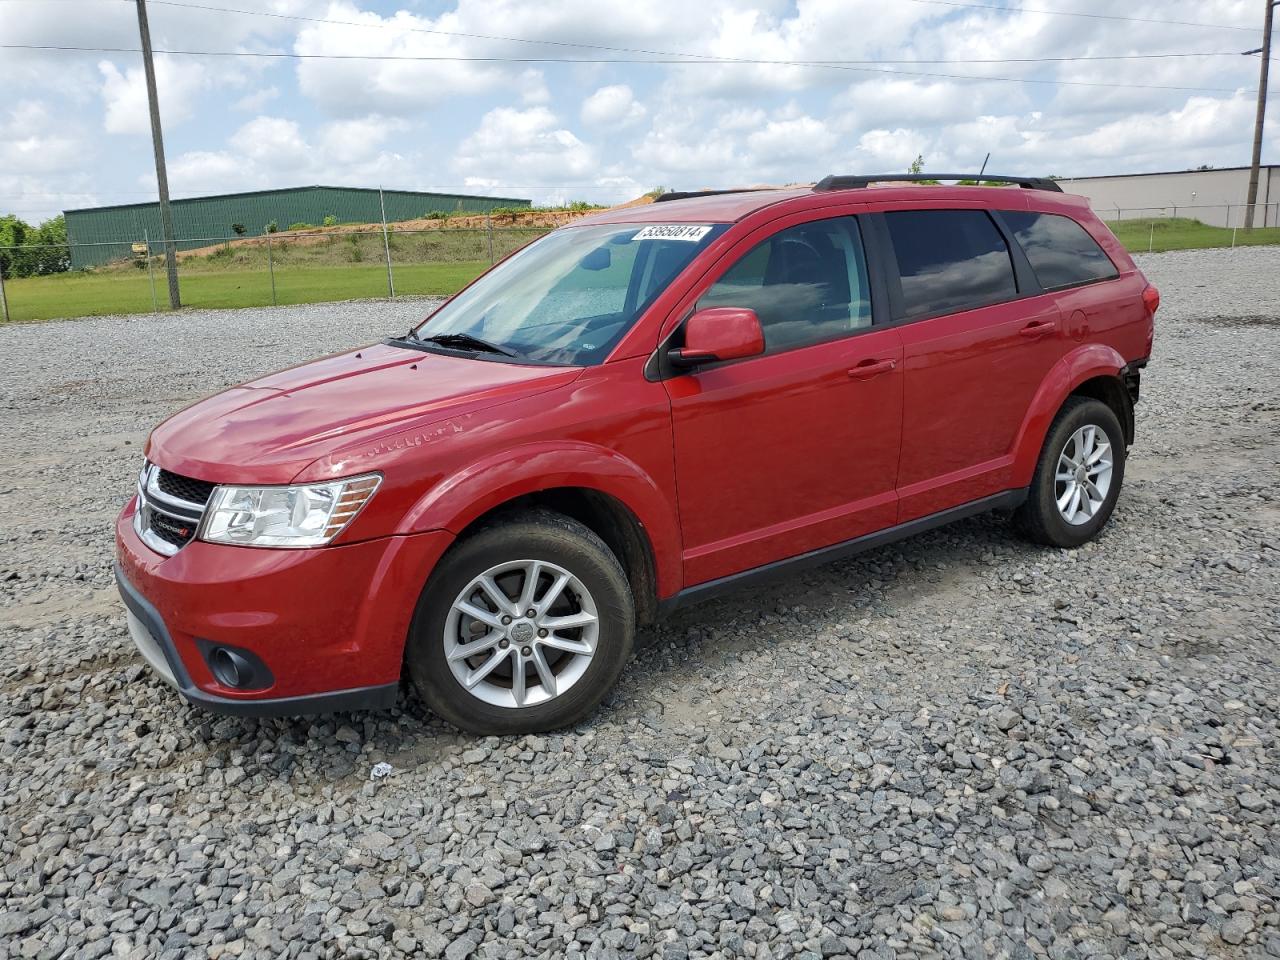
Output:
(308, 515)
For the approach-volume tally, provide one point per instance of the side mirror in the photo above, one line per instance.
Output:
(719, 333)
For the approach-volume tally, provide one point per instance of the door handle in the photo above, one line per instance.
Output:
(872, 368)
(1038, 328)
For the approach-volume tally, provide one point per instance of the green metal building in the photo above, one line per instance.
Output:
(101, 234)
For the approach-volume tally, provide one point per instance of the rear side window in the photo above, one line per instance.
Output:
(1060, 251)
(807, 284)
(950, 260)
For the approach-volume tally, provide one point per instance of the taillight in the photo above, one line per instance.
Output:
(1151, 299)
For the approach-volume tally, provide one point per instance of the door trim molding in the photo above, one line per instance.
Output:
(1008, 500)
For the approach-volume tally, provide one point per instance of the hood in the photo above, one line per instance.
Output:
(269, 430)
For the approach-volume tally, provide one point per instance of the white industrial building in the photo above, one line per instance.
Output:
(1216, 197)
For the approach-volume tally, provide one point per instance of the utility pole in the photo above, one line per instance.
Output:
(386, 245)
(1260, 120)
(162, 176)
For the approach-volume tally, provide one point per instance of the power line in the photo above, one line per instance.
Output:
(1086, 16)
(567, 43)
(649, 54)
(400, 28)
(667, 53)
(708, 59)
(461, 59)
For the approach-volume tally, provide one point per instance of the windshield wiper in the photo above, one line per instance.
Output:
(467, 342)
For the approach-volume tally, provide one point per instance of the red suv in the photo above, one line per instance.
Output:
(631, 413)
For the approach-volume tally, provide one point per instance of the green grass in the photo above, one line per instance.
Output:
(1180, 233)
(84, 294)
(338, 267)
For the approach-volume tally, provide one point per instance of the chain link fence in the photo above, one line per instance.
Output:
(346, 263)
(1230, 216)
(302, 266)
(1156, 229)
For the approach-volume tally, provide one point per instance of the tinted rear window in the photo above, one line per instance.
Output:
(950, 260)
(1061, 252)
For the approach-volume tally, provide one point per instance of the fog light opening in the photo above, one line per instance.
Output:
(230, 668)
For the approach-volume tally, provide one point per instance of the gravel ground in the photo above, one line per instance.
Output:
(960, 746)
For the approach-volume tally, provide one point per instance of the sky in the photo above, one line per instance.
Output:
(74, 128)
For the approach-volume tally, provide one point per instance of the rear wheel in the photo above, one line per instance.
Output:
(1077, 480)
(523, 627)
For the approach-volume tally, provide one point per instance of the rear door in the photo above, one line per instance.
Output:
(978, 340)
(1068, 263)
(796, 449)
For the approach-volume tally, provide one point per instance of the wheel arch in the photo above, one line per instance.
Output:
(608, 518)
(1110, 389)
(1094, 370)
(606, 492)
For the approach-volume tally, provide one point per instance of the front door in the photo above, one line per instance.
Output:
(796, 449)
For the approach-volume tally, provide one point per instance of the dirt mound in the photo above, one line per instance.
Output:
(532, 219)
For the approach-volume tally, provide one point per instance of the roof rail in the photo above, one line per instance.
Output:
(858, 182)
(686, 194)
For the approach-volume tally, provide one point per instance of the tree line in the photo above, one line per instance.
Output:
(27, 251)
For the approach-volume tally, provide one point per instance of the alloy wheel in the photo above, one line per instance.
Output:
(521, 633)
(1083, 475)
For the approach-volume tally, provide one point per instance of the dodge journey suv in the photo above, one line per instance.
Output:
(636, 411)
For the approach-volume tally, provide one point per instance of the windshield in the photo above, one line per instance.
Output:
(570, 296)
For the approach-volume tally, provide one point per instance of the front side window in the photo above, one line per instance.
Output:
(569, 297)
(950, 260)
(806, 284)
(1060, 251)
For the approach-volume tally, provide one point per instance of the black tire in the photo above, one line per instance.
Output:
(1039, 518)
(533, 535)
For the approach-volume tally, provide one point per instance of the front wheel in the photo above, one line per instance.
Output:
(523, 627)
(1077, 480)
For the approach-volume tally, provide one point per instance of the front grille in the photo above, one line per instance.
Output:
(184, 488)
(170, 507)
(170, 530)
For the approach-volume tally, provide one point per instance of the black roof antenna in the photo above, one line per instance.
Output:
(984, 165)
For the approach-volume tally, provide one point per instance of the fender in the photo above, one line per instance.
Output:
(465, 496)
(1084, 363)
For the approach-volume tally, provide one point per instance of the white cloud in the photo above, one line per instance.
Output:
(276, 152)
(357, 140)
(525, 146)
(890, 150)
(582, 131)
(612, 106)
(691, 145)
(124, 94)
(273, 142)
(791, 140)
(408, 86)
(533, 87)
(209, 171)
(33, 141)
(882, 101)
(42, 162)
(1202, 127)
(255, 101)
(389, 85)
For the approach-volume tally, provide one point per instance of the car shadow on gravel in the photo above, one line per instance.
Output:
(678, 656)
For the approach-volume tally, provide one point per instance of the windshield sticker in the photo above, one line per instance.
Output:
(674, 231)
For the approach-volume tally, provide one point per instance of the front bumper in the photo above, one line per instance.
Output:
(328, 624)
